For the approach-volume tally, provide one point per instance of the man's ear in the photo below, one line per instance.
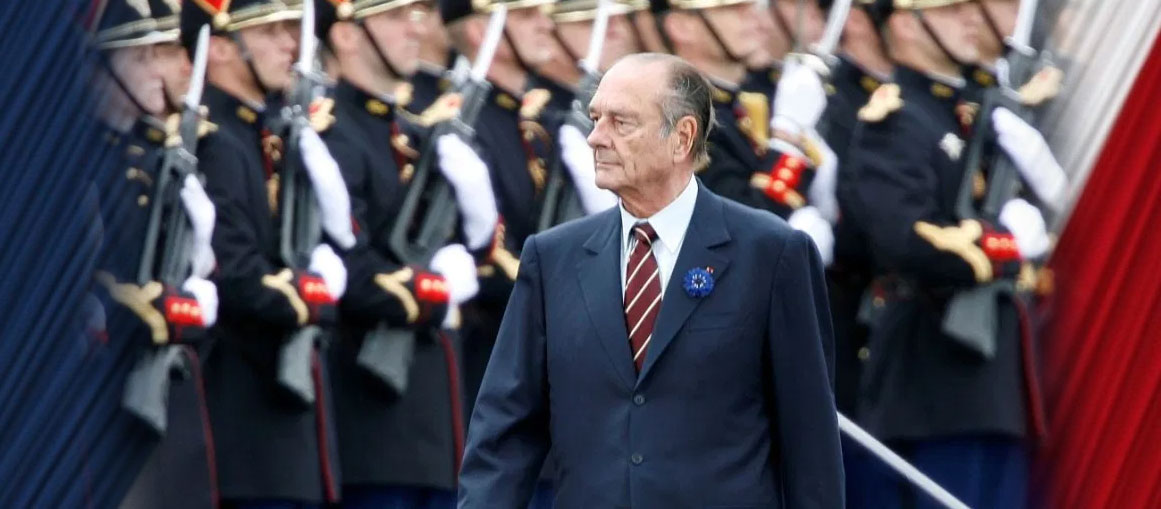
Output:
(686, 131)
(222, 50)
(679, 27)
(344, 37)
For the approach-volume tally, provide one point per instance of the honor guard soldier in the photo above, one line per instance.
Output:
(960, 412)
(154, 316)
(780, 34)
(515, 148)
(781, 165)
(436, 58)
(274, 448)
(400, 445)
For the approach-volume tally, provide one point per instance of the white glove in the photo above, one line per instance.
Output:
(469, 177)
(1027, 226)
(578, 158)
(458, 269)
(1028, 150)
(800, 99)
(330, 191)
(328, 265)
(808, 219)
(825, 184)
(201, 214)
(207, 296)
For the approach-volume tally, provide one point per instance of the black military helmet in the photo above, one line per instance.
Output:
(567, 11)
(226, 16)
(455, 10)
(328, 12)
(166, 13)
(127, 23)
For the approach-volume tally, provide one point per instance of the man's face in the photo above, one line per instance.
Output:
(618, 39)
(628, 147)
(737, 26)
(272, 50)
(174, 67)
(531, 31)
(813, 22)
(433, 36)
(397, 32)
(1003, 13)
(137, 69)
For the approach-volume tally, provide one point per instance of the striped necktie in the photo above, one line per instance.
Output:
(642, 292)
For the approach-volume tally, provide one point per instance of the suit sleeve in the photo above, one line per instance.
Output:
(896, 189)
(248, 284)
(803, 378)
(509, 436)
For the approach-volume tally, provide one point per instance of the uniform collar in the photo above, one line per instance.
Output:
(504, 100)
(149, 130)
(377, 106)
(227, 109)
(724, 92)
(849, 73)
(670, 223)
(943, 89)
(980, 76)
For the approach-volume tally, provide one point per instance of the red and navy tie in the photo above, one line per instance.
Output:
(642, 292)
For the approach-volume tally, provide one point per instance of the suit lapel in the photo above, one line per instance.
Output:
(707, 229)
(600, 282)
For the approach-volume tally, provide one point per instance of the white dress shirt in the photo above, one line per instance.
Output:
(670, 223)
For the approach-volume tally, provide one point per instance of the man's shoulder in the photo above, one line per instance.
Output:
(570, 237)
(748, 223)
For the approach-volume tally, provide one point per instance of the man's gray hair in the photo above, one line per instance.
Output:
(687, 93)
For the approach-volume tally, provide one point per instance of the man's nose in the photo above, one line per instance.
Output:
(597, 137)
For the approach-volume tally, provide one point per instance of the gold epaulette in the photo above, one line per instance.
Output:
(1043, 86)
(756, 124)
(885, 101)
(321, 114)
(446, 107)
(173, 126)
(533, 102)
(960, 241)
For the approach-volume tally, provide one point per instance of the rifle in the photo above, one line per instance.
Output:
(970, 318)
(560, 202)
(414, 238)
(147, 388)
(298, 210)
(386, 353)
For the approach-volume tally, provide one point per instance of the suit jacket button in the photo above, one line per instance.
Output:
(636, 459)
(638, 400)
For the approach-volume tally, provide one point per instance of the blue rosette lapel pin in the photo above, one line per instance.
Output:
(698, 282)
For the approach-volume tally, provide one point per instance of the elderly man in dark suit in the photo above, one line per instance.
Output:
(673, 351)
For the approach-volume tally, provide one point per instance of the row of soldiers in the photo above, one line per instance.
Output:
(865, 150)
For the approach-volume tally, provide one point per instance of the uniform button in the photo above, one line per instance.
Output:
(636, 459)
(864, 353)
(638, 400)
(143, 200)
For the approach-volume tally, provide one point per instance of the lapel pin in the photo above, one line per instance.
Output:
(698, 282)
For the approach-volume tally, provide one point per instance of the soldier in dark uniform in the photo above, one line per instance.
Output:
(960, 417)
(397, 450)
(781, 165)
(149, 317)
(781, 33)
(514, 146)
(436, 57)
(273, 450)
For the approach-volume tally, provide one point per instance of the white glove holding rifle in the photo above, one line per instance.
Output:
(1032, 157)
(201, 213)
(469, 178)
(330, 189)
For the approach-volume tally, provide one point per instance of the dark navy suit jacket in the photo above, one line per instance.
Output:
(734, 405)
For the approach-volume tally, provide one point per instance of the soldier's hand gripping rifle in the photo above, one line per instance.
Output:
(300, 226)
(971, 316)
(561, 202)
(427, 218)
(167, 258)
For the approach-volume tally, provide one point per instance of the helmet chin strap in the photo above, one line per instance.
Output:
(990, 21)
(733, 57)
(108, 67)
(520, 61)
(938, 42)
(564, 46)
(249, 59)
(391, 69)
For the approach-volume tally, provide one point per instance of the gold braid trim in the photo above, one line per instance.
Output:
(961, 241)
(139, 299)
(394, 284)
(281, 282)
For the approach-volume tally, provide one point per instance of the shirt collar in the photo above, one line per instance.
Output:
(670, 223)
